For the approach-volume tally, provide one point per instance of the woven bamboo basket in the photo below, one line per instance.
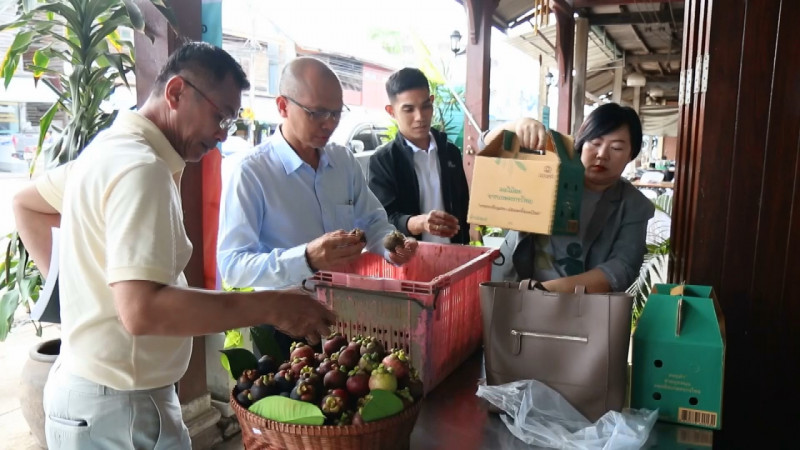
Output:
(391, 433)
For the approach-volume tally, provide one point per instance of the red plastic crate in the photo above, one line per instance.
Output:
(429, 307)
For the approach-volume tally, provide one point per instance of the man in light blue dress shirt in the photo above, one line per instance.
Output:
(288, 205)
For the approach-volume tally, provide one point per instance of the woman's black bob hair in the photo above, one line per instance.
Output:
(607, 118)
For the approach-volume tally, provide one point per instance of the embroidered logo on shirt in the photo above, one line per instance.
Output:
(451, 164)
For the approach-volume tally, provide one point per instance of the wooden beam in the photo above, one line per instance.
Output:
(630, 18)
(637, 34)
(478, 71)
(616, 91)
(496, 20)
(579, 97)
(565, 39)
(653, 57)
(591, 3)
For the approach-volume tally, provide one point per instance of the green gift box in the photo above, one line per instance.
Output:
(679, 356)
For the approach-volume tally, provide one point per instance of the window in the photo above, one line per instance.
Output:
(365, 135)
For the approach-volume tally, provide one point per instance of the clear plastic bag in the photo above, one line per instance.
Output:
(538, 415)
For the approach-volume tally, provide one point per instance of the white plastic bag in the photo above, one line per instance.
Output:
(538, 415)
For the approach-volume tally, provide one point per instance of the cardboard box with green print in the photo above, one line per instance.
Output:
(537, 191)
(679, 356)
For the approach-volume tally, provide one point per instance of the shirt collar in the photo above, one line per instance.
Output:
(431, 146)
(289, 158)
(136, 123)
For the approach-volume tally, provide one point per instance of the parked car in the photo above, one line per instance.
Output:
(11, 159)
(362, 131)
(18, 149)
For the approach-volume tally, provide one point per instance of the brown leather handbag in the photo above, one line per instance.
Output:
(575, 343)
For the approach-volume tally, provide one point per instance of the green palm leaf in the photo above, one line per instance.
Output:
(73, 58)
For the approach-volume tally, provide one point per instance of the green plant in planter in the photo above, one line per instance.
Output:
(446, 110)
(487, 231)
(448, 116)
(20, 282)
(655, 267)
(78, 53)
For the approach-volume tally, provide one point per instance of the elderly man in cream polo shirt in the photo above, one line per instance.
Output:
(127, 315)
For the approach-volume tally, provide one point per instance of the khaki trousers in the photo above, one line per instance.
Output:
(82, 415)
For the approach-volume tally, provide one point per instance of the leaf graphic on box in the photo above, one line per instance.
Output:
(520, 166)
(287, 410)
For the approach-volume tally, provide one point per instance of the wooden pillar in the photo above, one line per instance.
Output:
(565, 41)
(579, 95)
(479, 14)
(544, 90)
(616, 93)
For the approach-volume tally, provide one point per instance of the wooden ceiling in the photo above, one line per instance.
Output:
(642, 36)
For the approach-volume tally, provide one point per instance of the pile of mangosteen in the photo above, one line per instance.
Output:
(341, 380)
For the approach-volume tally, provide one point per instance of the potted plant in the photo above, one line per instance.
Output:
(655, 267)
(490, 236)
(73, 47)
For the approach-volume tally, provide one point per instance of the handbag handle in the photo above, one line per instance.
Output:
(530, 284)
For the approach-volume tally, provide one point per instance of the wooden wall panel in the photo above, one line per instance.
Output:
(681, 205)
(787, 83)
(738, 227)
(670, 147)
(744, 143)
(697, 99)
(771, 306)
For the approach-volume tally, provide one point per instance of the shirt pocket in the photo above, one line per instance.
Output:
(345, 217)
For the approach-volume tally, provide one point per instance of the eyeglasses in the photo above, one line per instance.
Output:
(321, 115)
(227, 123)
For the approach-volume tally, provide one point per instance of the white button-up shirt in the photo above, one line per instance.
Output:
(426, 165)
(273, 204)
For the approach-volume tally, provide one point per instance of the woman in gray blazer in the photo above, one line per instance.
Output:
(606, 254)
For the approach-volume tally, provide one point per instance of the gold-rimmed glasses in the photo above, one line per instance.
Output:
(319, 115)
(227, 123)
